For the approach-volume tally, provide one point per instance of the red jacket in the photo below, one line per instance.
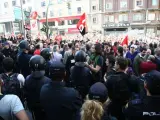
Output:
(37, 52)
(146, 67)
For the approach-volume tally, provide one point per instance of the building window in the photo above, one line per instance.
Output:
(94, 20)
(123, 4)
(123, 17)
(138, 17)
(60, 12)
(51, 23)
(154, 2)
(6, 5)
(51, 13)
(151, 16)
(13, 3)
(73, 22)
(44, 14)
(78, 10)
(139, 2)
(43, 4)
(109, 18)
(93, 8)
(24, 1)
(109, 6)
(60, 23)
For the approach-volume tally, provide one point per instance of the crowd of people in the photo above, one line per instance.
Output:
(79, 80)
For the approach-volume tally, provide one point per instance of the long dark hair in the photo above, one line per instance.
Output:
(98, 49)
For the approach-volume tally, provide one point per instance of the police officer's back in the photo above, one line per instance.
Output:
(58, 101)
(81, 77)
(33, 85)
(147, 108)
(23, 58)
(45, 53)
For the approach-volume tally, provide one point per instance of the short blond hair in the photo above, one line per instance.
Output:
(91, 110)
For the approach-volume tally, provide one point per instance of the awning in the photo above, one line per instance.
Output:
(60, 18)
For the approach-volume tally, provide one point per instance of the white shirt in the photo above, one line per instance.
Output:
(9, 106)
(56, 57)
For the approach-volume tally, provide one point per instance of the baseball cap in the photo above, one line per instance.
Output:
(56, 68)
(152, 80)
(133, 46)
(98, 91)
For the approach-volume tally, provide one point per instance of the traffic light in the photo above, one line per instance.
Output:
(44, 29)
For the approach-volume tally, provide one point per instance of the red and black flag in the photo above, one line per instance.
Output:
(81, 25)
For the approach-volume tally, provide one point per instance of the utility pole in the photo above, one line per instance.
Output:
(23, 21)
(47, 27)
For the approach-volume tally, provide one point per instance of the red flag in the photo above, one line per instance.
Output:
(34, 15)
(81, 25)
(125, 41)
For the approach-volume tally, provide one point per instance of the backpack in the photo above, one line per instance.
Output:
(11, 84)
(121, 91)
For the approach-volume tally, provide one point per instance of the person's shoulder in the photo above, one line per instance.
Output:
(47, 79)
(71, 92)
(134, 104)
(9, 98)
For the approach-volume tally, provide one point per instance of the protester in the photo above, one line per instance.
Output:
(37, 51)
(132, 54)
(138, 60)
(12, 82)
(56, 55)
(7, 51)
(96, 64)
(11, 107)
(148, 65)
(120, 87)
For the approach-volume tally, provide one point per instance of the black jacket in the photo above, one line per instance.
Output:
(81, 79)
(32, 88)
(143, 109)
(23, 64)
(60, 102)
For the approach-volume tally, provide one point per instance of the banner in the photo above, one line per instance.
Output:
(81, 25)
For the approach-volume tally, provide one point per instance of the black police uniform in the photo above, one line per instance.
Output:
(23, 63)
(143, 109)
(32, 88)
(60, 102)
(81, 79)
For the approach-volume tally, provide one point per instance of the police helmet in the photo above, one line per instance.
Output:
(37, 63)
(24, 44)
(45, 53)
(80, 56)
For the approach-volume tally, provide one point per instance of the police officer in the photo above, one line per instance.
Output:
(33, 85)
(81, 77)
(58, 101)
(147, 108)
(45, 53)
(23, 58)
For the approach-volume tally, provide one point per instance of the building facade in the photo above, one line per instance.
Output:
(11, 16)
(63, 15)
(120, 16)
